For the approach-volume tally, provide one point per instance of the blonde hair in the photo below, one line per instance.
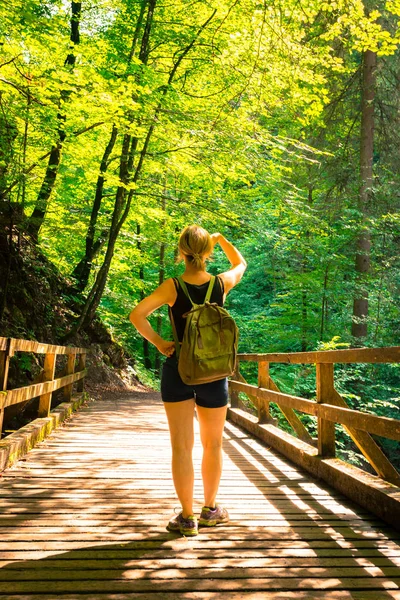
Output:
(194, 243)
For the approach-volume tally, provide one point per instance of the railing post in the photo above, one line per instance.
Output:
(233, 393)
(48, 375)
(325, 394)
(70, 370)
(81, 367)
(263, 382)
(5, 356)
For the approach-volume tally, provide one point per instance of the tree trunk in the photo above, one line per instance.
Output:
(83, 268)
(359, 327)
(146, 345)
(324, 307)
(9, 132)
(38, 215)
(161, 276)
(304, 320)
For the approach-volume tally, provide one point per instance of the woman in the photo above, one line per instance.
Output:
(211, 399)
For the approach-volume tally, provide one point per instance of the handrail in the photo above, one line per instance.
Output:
(350, 355)
(48, 384)
(329, 407)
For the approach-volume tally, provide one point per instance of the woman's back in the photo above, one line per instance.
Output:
(197, 292)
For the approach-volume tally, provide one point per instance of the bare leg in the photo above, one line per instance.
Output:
(211, 421)
(180, 420)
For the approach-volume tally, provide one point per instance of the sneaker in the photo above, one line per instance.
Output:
(210, 517)
(186, 526)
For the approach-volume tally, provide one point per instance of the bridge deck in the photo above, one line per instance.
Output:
(85, 514)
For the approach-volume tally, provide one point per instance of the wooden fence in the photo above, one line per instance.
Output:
(329, 407)
(48, 384)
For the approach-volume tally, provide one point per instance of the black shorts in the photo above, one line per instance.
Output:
(208, 395)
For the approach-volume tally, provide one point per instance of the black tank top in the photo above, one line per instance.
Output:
(198, 294)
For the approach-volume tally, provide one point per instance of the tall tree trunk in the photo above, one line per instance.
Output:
(146, 345)
(161, 276)
(9, 132)
(304, 320)
(324, 306)
(38, 215)
(359, 327)
(92, 247)
(82, 270)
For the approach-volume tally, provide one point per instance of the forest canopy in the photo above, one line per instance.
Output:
(274, 123)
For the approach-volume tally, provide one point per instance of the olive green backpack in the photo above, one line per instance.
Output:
(209, 346)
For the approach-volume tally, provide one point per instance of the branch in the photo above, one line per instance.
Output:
(80, 131)
(22, 91)
(171, 150)
(10, 61)
(39, 160)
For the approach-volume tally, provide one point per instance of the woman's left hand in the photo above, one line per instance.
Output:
(166, 348)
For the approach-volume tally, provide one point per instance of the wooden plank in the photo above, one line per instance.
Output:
(38, 389)
(48, 375)
(292, 418)
(231, 595)
(39, 348)
(264, 415)
(197, 560)
(353, 355)
(67, 391)
(253, 399)
(45, 537)
(139, 546)
(66, 517)
(233, 395)
(217, 573)
(81, 367)
(142, 584)
(369, 448)
(325, 393)
(294, 555)
(382, 426)
(5, 356)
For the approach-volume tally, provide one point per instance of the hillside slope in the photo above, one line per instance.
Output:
(37, 303)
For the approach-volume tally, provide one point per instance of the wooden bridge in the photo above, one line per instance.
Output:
(83, 514)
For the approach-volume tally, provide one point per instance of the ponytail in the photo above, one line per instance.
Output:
(195, 243)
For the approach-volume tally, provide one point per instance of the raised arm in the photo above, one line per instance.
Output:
(238, 263)
(164, 294)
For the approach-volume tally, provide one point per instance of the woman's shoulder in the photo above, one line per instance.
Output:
(167, 290)
(232, 277)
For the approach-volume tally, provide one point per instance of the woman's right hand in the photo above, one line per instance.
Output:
(166, 348)
(215, 237)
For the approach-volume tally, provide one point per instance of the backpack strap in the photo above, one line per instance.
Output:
(185, 290)
(208, 294)
(210, 289)
(174, 333)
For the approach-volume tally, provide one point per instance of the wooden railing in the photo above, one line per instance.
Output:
(329, 407)
(48, 384)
